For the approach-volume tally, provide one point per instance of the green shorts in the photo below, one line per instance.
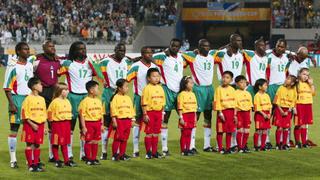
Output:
(106, 97)
(204, 95)
(137, 106)
(250, 89)
(75, 100)
(272, 90)
(17, 101)
(171, 99)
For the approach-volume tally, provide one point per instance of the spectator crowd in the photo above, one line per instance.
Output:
(90, 20)
(295, 14)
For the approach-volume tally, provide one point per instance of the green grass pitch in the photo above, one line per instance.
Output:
(293, 164)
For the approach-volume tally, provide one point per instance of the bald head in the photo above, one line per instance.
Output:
(204, 46)
(236, 41)
(302, 53)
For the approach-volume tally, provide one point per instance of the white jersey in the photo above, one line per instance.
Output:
(17, 76)
(113, 70)
(295, 66)
(227, 63)
(255, 66)
(277, 67)
(138, 73)
(202, 67)
(171, 69)
(78, 74)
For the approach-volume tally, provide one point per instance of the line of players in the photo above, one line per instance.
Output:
(271, 65)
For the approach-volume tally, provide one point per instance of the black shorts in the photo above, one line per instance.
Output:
(47, 94)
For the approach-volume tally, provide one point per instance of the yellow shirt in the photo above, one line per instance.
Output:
(286, 97)
(262, 102)
(91, 109)
(187, 102)
(34, 108)
(224, 98)
(243, 100)
(122, 107)
(304, 93)
(59, 110)
(153, 97)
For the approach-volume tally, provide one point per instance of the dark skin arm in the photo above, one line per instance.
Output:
(12, 107)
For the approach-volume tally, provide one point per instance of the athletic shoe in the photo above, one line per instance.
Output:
(194, 151)
(58, 164)
(191, 153)
(125, 158)
(166, 153)
(71, 158)
(39, 168)
(278, 147)
(70, 164)
(246, 150)
(263, 149)
(14, 165)
(268, 145)
(157, 155)
(96, 162)
(149, 155)
(298, 146)
(90, 163)
(51, 160)
(115, 157)
(83, 158)
(32, 168)
(256, 148)
(136, 154)
(184, 153)
(285, 147)
(241, 151)
(221, 151)
(208, 149)
(103, 156)
(306, 146)
(233, 149)
(227, 152)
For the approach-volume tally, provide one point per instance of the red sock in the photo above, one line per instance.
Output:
(228, 140)
(123, 147)
(94, 151)
(263, 140)
(219, 140)
(245, 139)
(28, 153)
(297, 134)
(115, 146)
(55, 152)
(36, 155)
(304, 135)
(64, 150)
(285, 134)
(239, 139)
(87, 150)
(182, 141)
(147, 143)
(155, 144)
(188, 138)
(278, 136)
(255, 139)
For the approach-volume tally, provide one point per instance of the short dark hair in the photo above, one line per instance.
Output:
(228, 72)
(256, 42)
(282, 40)
(151, 70)
(176, 40)
(144, 48)
(118, 46)
(259, 82)
(19, 46)
(91, 84)
(240, 78)
(33, 81)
